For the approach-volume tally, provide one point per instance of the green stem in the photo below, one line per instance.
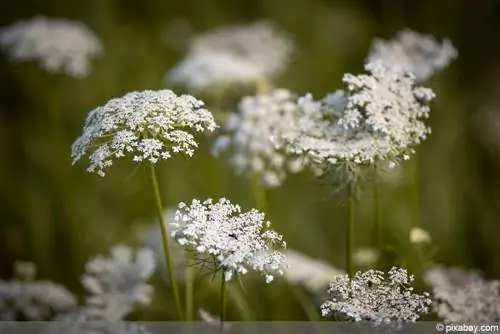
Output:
(377, 212)
(189, 283)
(415, 182)
(350, 231)
(259, 193)
(222, 302)
(262, 86)
(166, 245)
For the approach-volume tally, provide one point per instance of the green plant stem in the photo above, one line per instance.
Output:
(262, 86)
(166, 245)
(189, 284)
(259, 193)
(350, 231)
(415, 183)
(377, 212)
(222, 301)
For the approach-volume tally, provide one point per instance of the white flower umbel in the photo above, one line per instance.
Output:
(116, 284)
(61, 45)
(34, 300)
(370, 296)
(201, 71)
(379, 117)
(233, 54)
(461, 296)
(235, 241)
(145, 126)
(420, 54)
(313, 274)
(250, 133)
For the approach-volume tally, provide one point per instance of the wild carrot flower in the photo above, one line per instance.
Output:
(313, 274)
(370, 296)
(115, 285)
(61, 45)
(28, 299)
(461, 296)
(420, 54)
(235, 241)
(233, 54)
(147, 126)
(378, 118)
(250, 134)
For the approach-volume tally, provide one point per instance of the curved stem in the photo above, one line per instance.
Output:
(166, 245)
(350, 231)
(222, 302)
(306, 303)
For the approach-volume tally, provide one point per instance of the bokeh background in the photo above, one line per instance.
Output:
(57, 215)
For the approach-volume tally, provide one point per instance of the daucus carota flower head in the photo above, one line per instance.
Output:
(420, 54)
(461, 296)
(379, 117)
(370, 296)
(250, 134)
(117, 283)
(34, 300)
(201, 71)
(233, 54)
(313, 274)
(234, 240)
(147, 126)
(61, 45)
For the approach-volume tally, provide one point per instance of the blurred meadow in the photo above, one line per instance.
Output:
(58, 215)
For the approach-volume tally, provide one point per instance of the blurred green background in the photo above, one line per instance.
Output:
(57, 215)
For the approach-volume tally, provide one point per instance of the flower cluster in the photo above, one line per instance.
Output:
(60, 45)
(236, 241)
(251, 131)
(460, 296)
(33, 300)
(378, 118)
(313, 274)
(148, 125)
(115, 285)
(420, 54)
(369, 296)
(233, 54)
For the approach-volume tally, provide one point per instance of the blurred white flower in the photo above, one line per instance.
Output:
(461, 296)
(419, 236)
(34, 300)
(420, 54)
(251, 131)
(200, 71)
(313, 274)
(365, 257)
(148, 126)
(379, 117)
(115, 285)
(233, 54)
(235, 241)
(61, 45)
(369, 296)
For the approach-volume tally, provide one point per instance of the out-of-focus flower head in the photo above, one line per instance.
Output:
(250, 133)
(147, 126)
(461, 296)
(237, 54)
(420, 54)
(60, 45)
